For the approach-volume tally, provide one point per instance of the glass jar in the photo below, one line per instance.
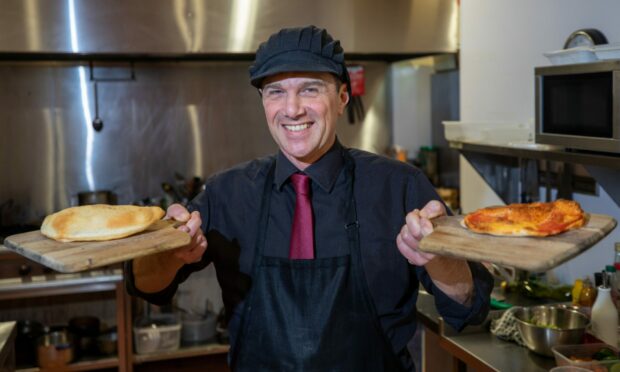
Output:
(588, 294)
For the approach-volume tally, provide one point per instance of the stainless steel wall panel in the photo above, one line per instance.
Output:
(194, 118)
(222, 26)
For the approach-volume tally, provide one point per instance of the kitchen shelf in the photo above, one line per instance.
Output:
(184, 352)
(110, 279)
(602, 167)
(541, 152)
(60, 284)
(87, 365)
(54, 284)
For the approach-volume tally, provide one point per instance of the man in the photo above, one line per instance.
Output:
(315, 248)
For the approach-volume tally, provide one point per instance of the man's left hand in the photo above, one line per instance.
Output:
(417, 226)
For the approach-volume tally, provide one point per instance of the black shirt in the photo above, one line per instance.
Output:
(385, 191)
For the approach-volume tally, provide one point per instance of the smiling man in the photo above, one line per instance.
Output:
(316, 247)
(302, 109)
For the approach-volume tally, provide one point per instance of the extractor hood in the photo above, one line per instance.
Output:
(187, 27)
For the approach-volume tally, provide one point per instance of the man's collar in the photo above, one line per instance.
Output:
(323, 172)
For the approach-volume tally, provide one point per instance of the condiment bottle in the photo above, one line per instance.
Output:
(605, 315)
(615, 284)
(611, 275)
(588, 294)
(576, 292)
(617, 254)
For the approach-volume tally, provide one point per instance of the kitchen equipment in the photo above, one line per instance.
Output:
(79, 256)
(28, 332)
(97, 122)
(221, 327)
(197, 329)
(578, 106)
(222, 334)
(55, 348)
(107, 342)
(565, 355)
(588, 37)
(357, 82)
(429, 160)
(85, 330)
(96, 197)
(545, 326)
(161, 332)
(534, 254)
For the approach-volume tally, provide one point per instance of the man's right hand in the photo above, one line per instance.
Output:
(198, 245)
(153, 273)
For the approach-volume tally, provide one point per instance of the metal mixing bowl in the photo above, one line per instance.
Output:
(542, 327)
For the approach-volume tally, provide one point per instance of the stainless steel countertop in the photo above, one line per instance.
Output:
(478, 341)
(475, 340)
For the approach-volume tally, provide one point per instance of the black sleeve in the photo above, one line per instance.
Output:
(455, 314)
(201, 204)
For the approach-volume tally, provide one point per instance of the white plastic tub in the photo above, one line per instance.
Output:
(488, 132)
(159, 333)
(607, 51)
(571, 56)
(563, 354)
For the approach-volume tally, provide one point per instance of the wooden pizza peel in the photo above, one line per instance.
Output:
(534, 254)
(72, 257)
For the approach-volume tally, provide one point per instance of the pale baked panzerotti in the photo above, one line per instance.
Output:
(99, 222)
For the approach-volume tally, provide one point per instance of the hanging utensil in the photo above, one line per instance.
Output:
(97, 122)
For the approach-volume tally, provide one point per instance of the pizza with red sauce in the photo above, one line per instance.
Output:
(529, 219)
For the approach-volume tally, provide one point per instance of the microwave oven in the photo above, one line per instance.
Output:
(578, 106)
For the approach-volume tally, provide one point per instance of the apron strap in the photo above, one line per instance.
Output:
(352, 227)
(261, 238)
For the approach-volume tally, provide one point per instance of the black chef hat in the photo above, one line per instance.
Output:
(301, 49)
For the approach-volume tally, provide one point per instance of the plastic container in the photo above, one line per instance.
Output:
(563, 354)
(607, 51)
(157, 333)
(568, 369)
(198, 329)
(500, 133)
(574, 55)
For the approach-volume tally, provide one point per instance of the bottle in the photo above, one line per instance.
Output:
(429, 160)
(588, 294)
(605, 315)
(615, 284)
(611, 275)
(617, 254)
(576, 292)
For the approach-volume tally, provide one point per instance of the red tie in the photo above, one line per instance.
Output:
(302, 237)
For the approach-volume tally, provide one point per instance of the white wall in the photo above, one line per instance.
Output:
(411, 114)
(501, 43)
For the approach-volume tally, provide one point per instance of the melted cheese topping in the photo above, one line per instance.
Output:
(533, 219)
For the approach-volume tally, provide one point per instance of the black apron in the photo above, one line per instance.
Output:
(311, 315)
